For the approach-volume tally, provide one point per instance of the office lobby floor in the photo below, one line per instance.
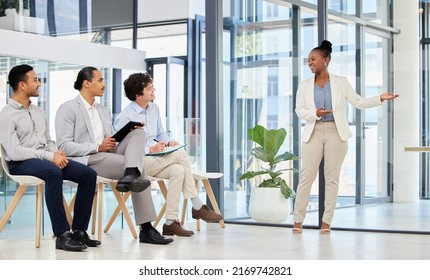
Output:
(234, 242)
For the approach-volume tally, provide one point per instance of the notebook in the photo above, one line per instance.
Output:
(167, 150)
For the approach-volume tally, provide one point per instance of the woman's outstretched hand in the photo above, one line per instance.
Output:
(388, 96)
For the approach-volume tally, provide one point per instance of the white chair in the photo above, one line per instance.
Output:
(71, 206)
(197, 176)
(121, 199)
(97, 217)
(163, 189)
(24, 182)
(204, 178)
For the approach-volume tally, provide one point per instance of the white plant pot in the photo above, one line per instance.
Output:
(268, 205)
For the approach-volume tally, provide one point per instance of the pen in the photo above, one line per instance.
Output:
(167, 145)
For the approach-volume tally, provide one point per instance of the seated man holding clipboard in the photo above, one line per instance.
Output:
(163, 159)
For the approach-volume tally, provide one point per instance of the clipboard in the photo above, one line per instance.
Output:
(167, 150)
(120, 134)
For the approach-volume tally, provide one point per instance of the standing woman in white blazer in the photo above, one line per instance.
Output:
(321, 101)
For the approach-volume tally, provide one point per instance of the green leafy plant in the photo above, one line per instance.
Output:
(268, 144)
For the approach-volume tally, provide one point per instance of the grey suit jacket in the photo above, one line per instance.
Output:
(74, 130)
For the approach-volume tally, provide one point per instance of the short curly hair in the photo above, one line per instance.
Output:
(135, 84)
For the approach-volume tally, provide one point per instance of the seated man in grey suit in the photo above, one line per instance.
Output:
(84, 131)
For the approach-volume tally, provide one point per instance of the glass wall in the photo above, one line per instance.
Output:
(165, 40)
(85, 20)
(375, 127)
(265, 48)
(342, 6)
(343, 37)
(259, 41)
(258, 90)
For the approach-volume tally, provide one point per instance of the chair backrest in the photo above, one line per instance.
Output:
(20, 179)
(4, 162)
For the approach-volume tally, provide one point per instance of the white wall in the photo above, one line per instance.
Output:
(406, 107)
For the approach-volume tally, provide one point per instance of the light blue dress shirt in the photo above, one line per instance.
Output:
(150, 117)
(322, 98)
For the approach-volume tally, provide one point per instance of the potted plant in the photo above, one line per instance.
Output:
(270, 199)
(12, 6)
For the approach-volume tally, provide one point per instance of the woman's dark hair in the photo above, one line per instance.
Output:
(135, 84)
(325, 49)
(86, 74)
(18, 74)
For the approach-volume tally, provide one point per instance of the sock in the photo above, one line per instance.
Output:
(169, 222)
(197, 203)
(132, 171)
(146, 226)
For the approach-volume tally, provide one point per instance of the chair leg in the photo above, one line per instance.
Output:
(71, 205)
(212, 199)
(39, 198)
(12, 205)
(196, 183)
(163, 190)
(68, 211)
(115, 213)
(94, 211)
(160, 215)
(100, 205)
(121, 204)
(184, 210)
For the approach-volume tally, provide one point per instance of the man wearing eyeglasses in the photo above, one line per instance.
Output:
(30, 151)
(174, 166)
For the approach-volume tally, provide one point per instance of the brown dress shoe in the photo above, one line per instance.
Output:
(206, 215)
(176, 229)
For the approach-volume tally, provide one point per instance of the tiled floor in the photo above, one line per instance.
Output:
(234, 242)
(243, 242)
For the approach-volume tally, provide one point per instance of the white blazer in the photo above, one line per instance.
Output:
(342, 92)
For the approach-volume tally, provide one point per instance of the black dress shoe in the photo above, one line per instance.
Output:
(82, 236)
(66, 242)
(154, 237)
(132, 183)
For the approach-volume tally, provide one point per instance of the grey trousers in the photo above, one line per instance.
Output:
(128, 153)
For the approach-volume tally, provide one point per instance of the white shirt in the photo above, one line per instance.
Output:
(96, 122)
